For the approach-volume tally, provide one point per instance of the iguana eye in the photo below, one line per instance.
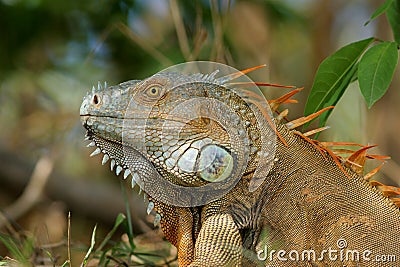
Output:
(150, 93)
(153, 91)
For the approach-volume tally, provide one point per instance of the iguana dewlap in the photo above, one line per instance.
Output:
(309, 204)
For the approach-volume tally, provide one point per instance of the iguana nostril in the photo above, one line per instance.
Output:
(95, 99)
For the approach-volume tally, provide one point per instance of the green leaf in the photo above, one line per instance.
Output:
(376, 71)
(393, 16)
(92, 243)
(13, 247)
(349, 78)
(128, 221)
(333, 76)
(381, 9)
(120, 219)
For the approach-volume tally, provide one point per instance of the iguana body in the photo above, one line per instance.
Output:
(308, 201)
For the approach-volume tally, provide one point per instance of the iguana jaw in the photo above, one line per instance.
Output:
(114, 151)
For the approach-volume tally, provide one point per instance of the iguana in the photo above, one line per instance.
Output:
(196, 164)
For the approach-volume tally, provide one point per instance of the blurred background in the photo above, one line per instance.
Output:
(52, 52)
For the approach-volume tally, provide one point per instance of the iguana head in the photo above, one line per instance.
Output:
(185, 139)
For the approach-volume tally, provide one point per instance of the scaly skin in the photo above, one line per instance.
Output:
(305, 202)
